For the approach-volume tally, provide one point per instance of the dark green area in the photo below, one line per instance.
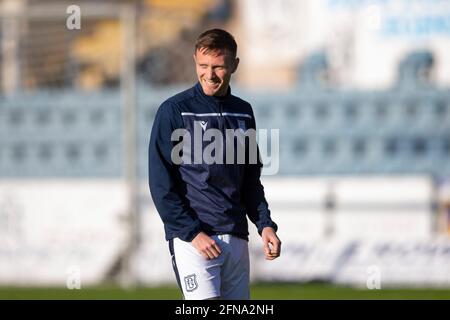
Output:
(258, 291)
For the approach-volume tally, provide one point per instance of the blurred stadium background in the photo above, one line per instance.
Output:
(359, 90)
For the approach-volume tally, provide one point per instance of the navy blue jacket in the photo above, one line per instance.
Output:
(213, 198)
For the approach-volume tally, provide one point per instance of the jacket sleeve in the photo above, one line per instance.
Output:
(166, 185)
(253, 194)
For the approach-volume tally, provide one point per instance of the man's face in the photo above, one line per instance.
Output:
(214, 71)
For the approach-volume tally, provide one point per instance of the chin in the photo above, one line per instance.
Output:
(209, 91)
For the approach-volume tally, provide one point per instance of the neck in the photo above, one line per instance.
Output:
(223, 92)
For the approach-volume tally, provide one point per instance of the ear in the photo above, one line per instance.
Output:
(195, 58)
(235, 65)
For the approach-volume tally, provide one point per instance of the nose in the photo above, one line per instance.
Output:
(210, 73)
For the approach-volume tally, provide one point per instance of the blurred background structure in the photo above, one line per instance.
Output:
(359, 90)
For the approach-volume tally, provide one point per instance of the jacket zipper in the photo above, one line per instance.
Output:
(221, 116)
(220, 108)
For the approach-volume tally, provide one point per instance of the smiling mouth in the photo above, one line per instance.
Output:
(211, 83)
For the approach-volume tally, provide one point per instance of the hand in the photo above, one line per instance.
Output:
(206, 246)
(272, 245)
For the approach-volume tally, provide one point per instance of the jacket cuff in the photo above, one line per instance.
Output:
(188, 234)
(268, 224)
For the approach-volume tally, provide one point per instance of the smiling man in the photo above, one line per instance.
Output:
(204, 206)
(214, 66)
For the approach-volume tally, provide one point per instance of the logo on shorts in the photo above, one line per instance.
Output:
(190, 282)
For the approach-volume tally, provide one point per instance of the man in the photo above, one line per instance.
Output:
(203, 205)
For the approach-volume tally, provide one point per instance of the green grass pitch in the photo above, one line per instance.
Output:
(269, 291)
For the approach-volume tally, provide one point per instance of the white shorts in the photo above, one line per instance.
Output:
(226, 276)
